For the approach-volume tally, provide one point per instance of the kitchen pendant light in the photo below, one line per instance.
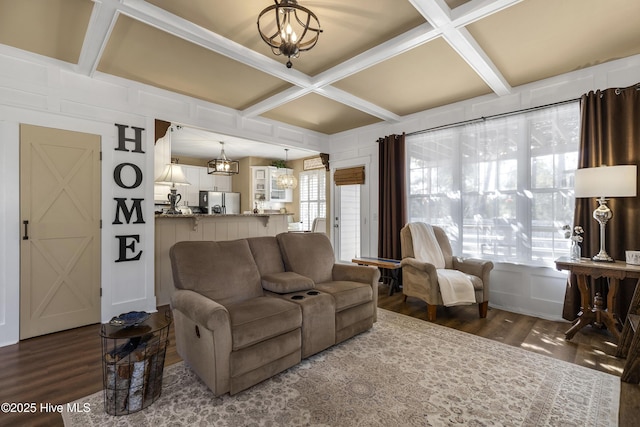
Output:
(292, 28)
(285, 180)
(222, 165)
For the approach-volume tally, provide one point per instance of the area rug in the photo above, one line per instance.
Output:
(403, 372)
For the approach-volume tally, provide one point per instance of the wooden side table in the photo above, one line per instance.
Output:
(594, 311)
(393, 265)
(133, 363)
(629, 345)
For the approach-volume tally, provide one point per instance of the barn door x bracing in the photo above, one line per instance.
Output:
(60, 214)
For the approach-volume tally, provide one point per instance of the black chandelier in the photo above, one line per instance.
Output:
(293, 28)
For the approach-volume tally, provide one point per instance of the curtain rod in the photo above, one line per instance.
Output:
(481, 119)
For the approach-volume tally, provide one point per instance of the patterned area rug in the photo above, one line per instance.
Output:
(404, 371)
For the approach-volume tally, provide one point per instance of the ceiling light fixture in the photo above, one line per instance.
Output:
(222, 165)
(293, 28)
(285, 180)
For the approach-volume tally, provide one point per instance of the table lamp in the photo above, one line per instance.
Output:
(173, 175)
(603, 182)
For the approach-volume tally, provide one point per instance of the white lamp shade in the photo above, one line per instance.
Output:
(172, 175)
(606, 181)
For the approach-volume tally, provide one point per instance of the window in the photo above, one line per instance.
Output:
(349, 225)
(502, 188)
(313, 192)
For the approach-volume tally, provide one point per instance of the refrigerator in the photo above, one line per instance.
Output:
(218, 202)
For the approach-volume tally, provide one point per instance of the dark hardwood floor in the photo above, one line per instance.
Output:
(65, 366)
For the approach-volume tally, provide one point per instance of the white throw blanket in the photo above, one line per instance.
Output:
(455, 286)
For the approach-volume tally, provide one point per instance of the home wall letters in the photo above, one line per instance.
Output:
(127, 243)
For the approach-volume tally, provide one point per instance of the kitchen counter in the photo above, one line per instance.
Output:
(265, 217)
(215, 215)
(170, 229)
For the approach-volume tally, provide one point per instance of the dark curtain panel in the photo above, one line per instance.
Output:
(610, 135)
(392, 189)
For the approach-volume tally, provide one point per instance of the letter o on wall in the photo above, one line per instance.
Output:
(117, 175)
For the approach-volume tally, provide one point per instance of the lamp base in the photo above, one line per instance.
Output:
(602, 214)
(173, 200)
(602, 258)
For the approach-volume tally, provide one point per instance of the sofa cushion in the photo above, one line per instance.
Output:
(266, 253)
(347, 294)
(261, 318)
(286, 282)
(308, 254)
(222, 271)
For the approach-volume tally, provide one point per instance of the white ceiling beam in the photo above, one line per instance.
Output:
(274, 101)
(463, 42)
(375, 55)
(328, 92)
(404, 42)
(478, 9)
(103, 18)
(441, 22)
(436, 12)
(179, 27)
(358, 103)
(439, 15)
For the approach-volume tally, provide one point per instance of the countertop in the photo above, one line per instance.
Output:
(216, 215)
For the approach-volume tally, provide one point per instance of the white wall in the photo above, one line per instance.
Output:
(537, 291)
(44, 92)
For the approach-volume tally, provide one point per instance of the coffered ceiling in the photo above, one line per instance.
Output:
(376, 60)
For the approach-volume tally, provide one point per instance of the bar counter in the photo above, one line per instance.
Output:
(170, 229)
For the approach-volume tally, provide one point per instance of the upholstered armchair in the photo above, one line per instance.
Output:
(420, 279)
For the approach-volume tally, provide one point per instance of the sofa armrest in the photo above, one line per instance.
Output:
(420, 266)
(356, 273)
(201, 309)
(363, 274)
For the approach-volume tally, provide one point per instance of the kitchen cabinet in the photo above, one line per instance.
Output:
(190, 193)
(162, 157)
(264, 185)
(197, 176)
(221, 182)
(200, 180)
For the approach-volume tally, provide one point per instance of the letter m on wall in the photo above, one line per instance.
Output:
(121, 207)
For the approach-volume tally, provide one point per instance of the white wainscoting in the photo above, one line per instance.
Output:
(535, 291)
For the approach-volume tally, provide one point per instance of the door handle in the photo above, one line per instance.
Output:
(26, 230)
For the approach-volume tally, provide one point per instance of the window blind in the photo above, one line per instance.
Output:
(349, 176)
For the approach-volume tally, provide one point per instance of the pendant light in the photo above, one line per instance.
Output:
(292, 28)
(286, 180)
(222, 165)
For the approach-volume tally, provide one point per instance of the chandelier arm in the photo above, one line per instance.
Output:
(303, 25)
(269, 40)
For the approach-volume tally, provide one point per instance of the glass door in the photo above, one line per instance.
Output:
(347, 222)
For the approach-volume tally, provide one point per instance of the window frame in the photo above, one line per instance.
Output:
(443, 158)
(320, 202)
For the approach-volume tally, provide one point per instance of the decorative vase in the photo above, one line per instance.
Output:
(575, 251)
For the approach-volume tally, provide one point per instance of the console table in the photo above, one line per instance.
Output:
(594, 311)
(393, 265)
